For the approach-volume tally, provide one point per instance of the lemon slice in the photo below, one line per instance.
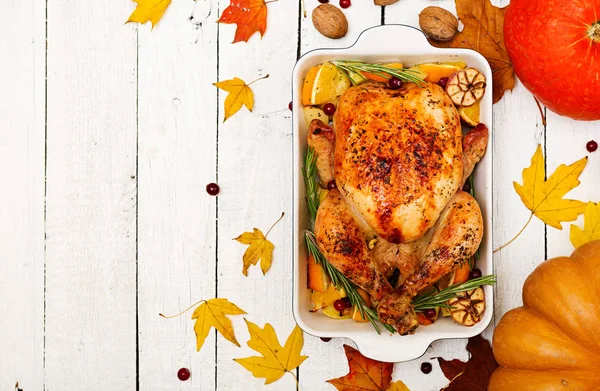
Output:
(332, 313)
(321, 84)
(470, 114)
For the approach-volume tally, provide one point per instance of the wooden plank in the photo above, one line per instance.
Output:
(254, 173)
(565, 143)
(361, 16)
(327, 359)
(22, 203)
(177, 159)
(518, 129)
(91, 198)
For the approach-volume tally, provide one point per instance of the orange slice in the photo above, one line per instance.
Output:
(320, 84)
(317, 279)
(470, 114)
(433, 72)
(355, 311)
(372, 76)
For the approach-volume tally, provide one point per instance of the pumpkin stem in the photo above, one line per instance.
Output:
(594, 32)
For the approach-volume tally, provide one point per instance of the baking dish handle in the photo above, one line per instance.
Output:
(406, 351)
(397, 38)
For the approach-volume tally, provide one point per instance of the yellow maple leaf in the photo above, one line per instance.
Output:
(591, 226)
(213, 313)
(148, 10)
(398, 386)
(276, 360)
(260, 249)
(544, 197)
(240, 94)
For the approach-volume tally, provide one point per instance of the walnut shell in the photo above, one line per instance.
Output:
(384, 2)
(438, 24)
(330, 21)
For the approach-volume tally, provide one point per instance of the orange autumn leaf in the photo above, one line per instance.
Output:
(484, 32)
(250, 16)
(365, 374)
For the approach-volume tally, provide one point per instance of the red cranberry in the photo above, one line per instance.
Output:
(347, 302)
(339, 305)
(345, 3)
(323, 338)
(591, 146)
(212, 189)
(426, 368)
(331, 185)
(442, 83)
(323, 1)
(329, 109)
(183, 374)
(430, 313)
(394, 83)
(475, 273)
(290, 106)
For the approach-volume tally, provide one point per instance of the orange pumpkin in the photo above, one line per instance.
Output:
(553, 341)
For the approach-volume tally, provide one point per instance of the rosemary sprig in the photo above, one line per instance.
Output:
(473, 260)
(309, 172)
(337, 278)
(440, 299)
(356, 67)
(340, 281)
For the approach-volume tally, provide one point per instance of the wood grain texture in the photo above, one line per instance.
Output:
(177, 111)
(91, 198)
(565, 143)
(134, 134)
(22, 198)
(255, 177)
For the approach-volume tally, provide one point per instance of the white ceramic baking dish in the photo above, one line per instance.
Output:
(385, 44)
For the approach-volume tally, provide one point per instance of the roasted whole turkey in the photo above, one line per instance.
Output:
(399, 160)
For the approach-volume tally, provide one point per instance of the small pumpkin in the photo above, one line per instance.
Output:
(553, 341)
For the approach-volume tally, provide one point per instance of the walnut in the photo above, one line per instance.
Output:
(438, 24)
(330, 21)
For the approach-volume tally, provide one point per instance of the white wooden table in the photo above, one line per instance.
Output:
(110, 133)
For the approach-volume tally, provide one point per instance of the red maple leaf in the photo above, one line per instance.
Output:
(250, 16)
(365, 374)
(474, 374)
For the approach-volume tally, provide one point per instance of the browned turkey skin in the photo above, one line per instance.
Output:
(399, 160)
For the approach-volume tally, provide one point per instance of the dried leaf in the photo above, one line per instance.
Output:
(474, 374)
(250, 16)
(365, 373)
(148, 10)
(398, 385)
(591, 226)
(275, 360)
(260, 249)
(213, 313)
(484, 32)
(239, 94)
(545, 197)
